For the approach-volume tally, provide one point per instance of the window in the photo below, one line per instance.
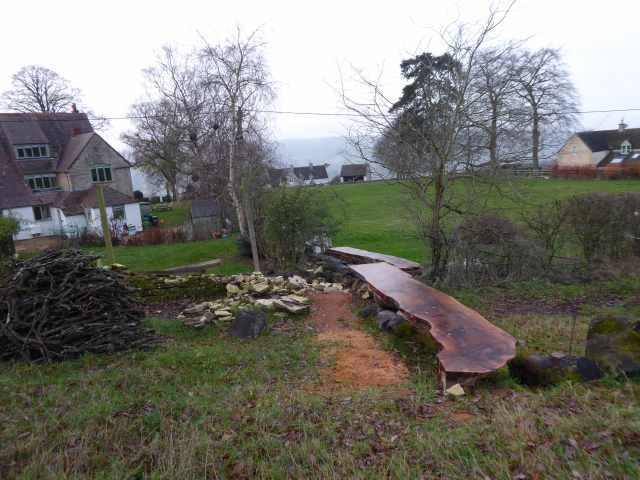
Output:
(32, 151)
(101, 174)
(625, 149)
(118, 212)
(42, 182)
(41, 212)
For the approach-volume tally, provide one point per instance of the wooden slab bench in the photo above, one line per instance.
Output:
(356, 255)
(471, 345)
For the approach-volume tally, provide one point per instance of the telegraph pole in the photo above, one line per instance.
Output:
(106, 231)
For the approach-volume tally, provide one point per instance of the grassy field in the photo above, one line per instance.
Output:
(175, 217)
(210, 406)
(206, 405)
(160, 257)
(377, 217)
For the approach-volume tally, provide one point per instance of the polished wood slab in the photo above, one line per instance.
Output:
(470, 343)
(356, 255)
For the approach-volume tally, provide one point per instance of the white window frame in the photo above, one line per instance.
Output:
(32, 180)
(104, 169)
(120, 208)
(42, 209)
(625, 148)
(21, 151)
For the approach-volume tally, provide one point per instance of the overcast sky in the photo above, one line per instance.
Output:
(101, 47)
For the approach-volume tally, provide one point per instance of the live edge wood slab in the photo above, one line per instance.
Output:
(471, 345)
(356, 255)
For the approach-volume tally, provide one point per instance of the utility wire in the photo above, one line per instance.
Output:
(274, 112)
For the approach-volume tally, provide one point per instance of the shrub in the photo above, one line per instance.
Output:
(605, 225)
(490, 249)
(293, 217)
(8, 228)
(547, 224)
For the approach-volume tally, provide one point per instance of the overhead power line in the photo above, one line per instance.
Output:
(293, 112)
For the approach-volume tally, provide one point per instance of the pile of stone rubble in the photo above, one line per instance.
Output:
(277, 293)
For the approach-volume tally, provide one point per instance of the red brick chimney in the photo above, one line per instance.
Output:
(75, 131)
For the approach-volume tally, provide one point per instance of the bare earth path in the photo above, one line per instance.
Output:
(357, 362)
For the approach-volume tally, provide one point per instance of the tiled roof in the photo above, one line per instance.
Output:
(599, 140)
(312, 172)
(354, 170)
(13, 191)
(74, 203)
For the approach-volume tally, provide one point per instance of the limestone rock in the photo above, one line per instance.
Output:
(261, 287)
(296, 299)
(268, 303)
(296, 281)
(200, 321)
(456, 390)
(232, 289)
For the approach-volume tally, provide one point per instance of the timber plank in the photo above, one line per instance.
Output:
(356, 255)
(470, 343)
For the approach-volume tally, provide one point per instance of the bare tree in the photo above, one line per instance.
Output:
(158, 143)
(546, 88)
(37, 89)
(496, 114)
(427, 137)
(239, 69)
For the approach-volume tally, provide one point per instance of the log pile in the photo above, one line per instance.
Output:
(59, 305)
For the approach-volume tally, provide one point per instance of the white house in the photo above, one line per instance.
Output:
(50, 165)
(311, 175)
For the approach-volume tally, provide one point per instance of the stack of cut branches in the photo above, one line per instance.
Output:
(59, 305)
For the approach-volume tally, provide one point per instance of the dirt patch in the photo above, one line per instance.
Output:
(358, 363)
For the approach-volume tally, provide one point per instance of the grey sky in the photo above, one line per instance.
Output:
(102, 46)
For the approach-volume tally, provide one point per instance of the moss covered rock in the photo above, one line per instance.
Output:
(614, 344)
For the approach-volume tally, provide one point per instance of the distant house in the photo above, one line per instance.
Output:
(601, 151)
(356, 172)
(311, 175)
(50, 164)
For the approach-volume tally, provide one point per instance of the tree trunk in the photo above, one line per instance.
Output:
(493, 137)
(237, 132)
(438, 243)
(252, 236)
(535, 147)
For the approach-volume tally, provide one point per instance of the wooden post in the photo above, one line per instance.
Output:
(106, 231)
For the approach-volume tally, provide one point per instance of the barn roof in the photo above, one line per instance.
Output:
(354, 170)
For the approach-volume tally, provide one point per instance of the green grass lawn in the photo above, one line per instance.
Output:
(377, 217)
(175, 217)
(206, 405)
(160, 257)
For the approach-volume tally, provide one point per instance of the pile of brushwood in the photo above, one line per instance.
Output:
(60, 305)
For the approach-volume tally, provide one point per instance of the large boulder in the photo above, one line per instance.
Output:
(536, 369)
(614, 344)
(249, 323)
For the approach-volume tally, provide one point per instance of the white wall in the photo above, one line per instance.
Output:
(133, 215)
(30, 227)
